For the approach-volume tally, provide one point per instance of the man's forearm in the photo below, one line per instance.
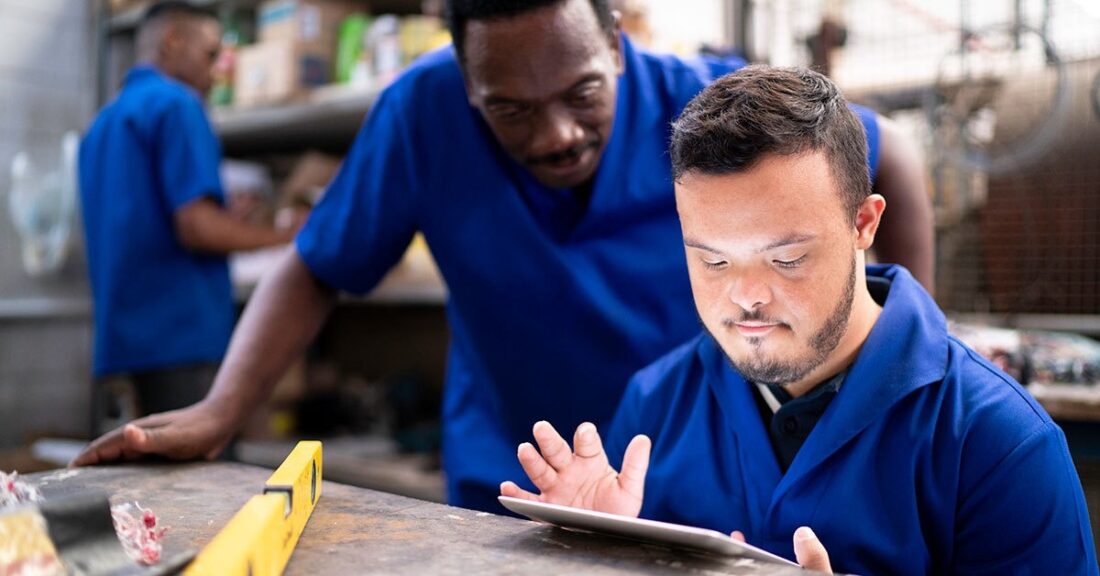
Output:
(283, 316)
(240, 236)
(203, 226)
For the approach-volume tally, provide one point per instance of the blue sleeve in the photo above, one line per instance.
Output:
(721, 66)
(1027, 515)
(188, 155)
(870, 126)
(367, 217)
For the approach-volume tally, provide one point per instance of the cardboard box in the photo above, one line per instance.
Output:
(313, 24)
(296, 51)
(276, 72)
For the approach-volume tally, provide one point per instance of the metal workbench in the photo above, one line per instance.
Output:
(359, 531)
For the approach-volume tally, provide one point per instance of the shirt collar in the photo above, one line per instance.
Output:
(146, 71)
(777, 396)
(906, 350)
(143, 71)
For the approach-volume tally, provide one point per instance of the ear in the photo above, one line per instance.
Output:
(868, 218)
(617, 41)
(172, 39)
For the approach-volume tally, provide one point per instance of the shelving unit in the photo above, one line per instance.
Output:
(126, 20)
(399, 329)
(410, 283)
(36, 309)
(329, 122)
(116, 55)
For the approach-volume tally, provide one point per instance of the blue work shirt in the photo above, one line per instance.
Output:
(550, 312)
(156, 304)
(929, 460)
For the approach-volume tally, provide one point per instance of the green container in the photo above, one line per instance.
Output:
(349, 45)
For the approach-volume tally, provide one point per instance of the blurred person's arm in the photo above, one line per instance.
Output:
(204, 226)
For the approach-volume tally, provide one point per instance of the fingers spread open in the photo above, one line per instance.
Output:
(511, 489)
(635, 465)
(555, 450)
(586, 441)
(536, 467)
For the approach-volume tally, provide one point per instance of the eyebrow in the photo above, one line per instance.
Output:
(696, 244)
(587, 78)
(786, 241)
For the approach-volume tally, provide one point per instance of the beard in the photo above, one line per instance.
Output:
(780, 371)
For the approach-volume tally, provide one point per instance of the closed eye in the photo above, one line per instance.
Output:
(508, 111)
(790, 263)
(584, 95)
(714, 265)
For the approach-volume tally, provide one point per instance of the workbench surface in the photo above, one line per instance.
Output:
(356, 531)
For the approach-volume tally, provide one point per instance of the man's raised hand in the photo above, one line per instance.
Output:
(582, 477)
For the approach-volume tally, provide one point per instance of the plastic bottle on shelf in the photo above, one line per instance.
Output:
(221, 93)
(384, 43)
(350, 50)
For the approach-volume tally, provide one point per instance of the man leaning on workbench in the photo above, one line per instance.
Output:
(156, 230)
(533, 158)
(824, 399)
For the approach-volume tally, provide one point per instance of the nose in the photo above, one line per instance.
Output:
(555, 131)
(749, 291)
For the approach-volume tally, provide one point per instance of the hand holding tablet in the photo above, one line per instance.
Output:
(675, 535)
(579, 489)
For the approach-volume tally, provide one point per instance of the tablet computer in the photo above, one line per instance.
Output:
(676, 535)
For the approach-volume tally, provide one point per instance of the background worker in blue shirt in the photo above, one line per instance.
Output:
(823, 397)
(533, 158)
(155, 227)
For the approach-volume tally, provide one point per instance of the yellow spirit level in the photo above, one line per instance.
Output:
(261, 536)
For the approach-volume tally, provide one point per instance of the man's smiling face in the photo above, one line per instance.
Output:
(545, 82)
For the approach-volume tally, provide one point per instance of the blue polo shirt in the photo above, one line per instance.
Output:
(550, 310)
(929, 460)
(156, 304)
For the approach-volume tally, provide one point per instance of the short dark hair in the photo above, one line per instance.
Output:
(459, 12)
(761, 110)
(168, 8)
